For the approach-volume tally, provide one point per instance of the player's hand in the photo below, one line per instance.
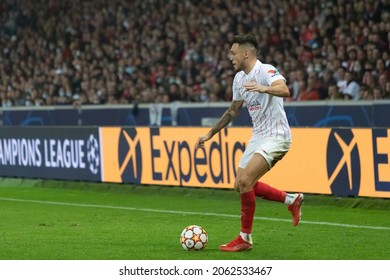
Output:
(201, 140)
(253, 86)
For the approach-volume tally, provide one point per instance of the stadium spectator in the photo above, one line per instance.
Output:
(366, 93)
(341, 78)
(327, 80)
(97, 50)
(386, 93)
(352, 90)
(369, 75)
(334, 93)
(353, 64)
(377, 93)
(309, 90)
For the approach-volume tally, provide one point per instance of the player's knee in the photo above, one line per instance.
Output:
(243, 185)
(236, 187)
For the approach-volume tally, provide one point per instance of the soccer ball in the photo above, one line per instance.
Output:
(193, 238)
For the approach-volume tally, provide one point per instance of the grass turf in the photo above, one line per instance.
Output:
(63, 220)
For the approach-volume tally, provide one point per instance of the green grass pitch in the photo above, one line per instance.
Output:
(62, 220)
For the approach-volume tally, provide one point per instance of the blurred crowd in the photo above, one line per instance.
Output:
(70, 52)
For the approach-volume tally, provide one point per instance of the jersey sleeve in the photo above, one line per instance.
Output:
(271, 74)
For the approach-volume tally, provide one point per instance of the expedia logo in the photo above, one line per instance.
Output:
(343, 163)
(130, 156)
(381, 156)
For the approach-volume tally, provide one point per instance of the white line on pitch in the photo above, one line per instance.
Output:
(185, 212)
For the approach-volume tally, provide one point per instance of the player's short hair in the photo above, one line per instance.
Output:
(246, 39)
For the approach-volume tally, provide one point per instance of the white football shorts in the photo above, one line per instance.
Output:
(272, 150)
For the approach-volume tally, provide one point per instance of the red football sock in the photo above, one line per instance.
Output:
(269, 193)
(248, 206)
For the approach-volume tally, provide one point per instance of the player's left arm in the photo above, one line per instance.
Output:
(277, 88)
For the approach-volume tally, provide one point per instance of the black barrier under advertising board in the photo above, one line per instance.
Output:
(68, 153)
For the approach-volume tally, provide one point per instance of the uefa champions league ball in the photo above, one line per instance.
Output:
(193, 238)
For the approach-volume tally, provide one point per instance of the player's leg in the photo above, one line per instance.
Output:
(272, 152)
(246, 177)
(293, 200)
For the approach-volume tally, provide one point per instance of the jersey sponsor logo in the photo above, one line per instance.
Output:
(254, 105)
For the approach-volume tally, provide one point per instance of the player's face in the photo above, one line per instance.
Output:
(237, 56)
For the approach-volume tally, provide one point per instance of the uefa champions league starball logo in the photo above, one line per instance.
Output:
(93, 155)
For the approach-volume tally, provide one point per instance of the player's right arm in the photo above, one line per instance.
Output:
(226, 118)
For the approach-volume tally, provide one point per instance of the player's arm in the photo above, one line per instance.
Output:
(226, 118)
(277, 88)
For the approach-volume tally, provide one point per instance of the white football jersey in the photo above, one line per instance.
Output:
(267, 111)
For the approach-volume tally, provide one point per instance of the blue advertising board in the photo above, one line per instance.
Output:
(307, 114)
(48, 152)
